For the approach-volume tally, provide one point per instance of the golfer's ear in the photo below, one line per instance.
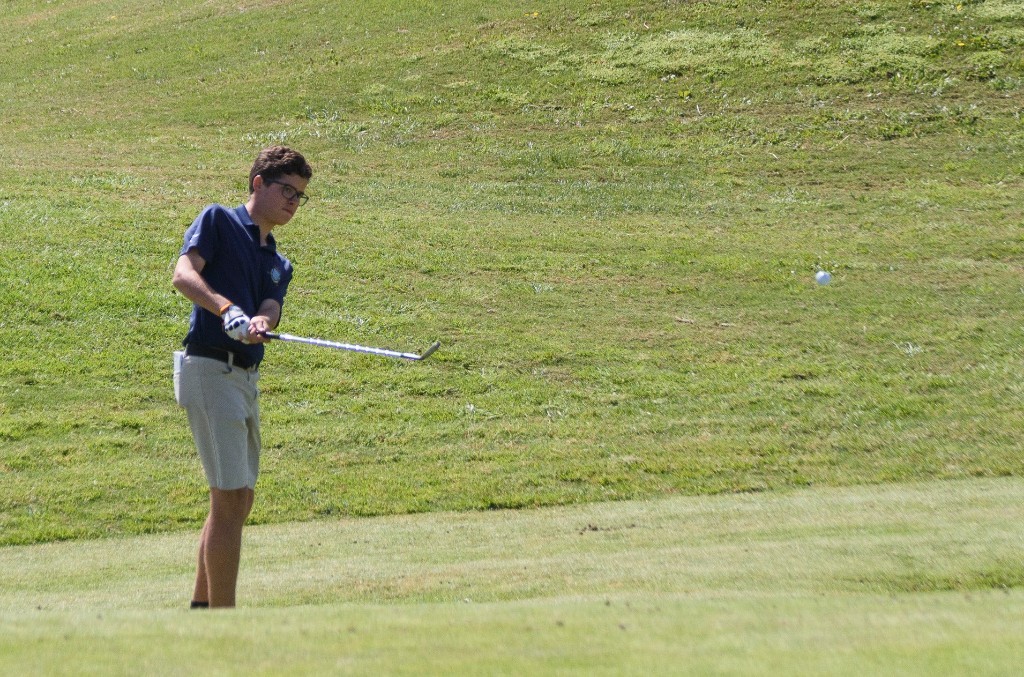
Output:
(257, 183)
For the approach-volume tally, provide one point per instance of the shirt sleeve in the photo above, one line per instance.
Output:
(203, 235)
(276, 281)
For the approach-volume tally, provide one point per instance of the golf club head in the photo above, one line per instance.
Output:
(430, 351)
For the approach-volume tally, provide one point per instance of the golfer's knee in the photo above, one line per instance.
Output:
(231, 504)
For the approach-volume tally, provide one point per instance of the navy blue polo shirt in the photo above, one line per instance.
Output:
(237, 267)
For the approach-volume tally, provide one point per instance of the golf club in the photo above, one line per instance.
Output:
(358, 349)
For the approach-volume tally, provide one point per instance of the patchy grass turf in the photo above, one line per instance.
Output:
(610, 215)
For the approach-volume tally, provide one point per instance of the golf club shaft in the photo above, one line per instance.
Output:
(354, 348)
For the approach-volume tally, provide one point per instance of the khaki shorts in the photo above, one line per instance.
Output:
(222, 403)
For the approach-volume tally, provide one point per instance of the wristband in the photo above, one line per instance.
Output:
(224, 308)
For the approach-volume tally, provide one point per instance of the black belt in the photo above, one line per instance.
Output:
(219, 354)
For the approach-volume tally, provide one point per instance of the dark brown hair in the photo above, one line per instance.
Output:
(276, 161)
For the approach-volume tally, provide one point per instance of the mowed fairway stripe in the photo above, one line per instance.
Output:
(920, 577)
(954, 535)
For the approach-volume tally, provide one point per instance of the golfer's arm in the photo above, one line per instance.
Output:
(190, 283)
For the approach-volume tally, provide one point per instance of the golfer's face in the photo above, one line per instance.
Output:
(280, 198)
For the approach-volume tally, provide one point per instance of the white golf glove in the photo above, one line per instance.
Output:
(236, 323)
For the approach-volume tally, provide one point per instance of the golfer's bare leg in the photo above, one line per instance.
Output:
(222, 542)
(201, 593)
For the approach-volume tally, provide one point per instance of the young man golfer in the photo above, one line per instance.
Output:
(230, 269)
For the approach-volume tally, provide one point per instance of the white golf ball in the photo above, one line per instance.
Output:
(823, 277)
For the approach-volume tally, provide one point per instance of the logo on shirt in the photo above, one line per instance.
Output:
(275, 276)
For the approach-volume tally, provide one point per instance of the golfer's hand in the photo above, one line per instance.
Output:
(258, 326)
(236, 324)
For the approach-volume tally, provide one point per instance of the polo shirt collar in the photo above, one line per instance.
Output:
(246, 220)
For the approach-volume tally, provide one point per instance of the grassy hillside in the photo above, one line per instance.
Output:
(609, 213)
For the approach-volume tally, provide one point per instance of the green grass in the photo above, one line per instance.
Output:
(919, 578)
(610, 214)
